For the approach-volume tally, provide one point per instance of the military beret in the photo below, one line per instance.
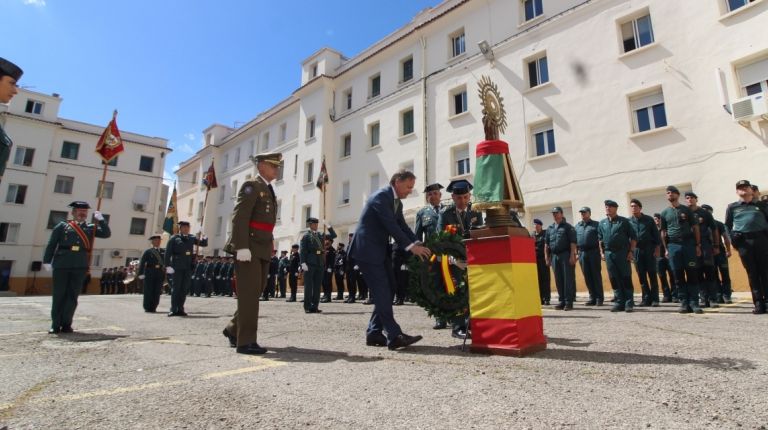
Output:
(274, 158)
(743, 183)
(611, 203)
(295, 246)
(183, 223)
(673, 189)
(10, 69)
(585, 209)
(691, 194)
(557, 209)
(537, 221)
(312, 220)
(79, 205)
(156, 236)
(433, 187)
(459, 186)
(707, 207)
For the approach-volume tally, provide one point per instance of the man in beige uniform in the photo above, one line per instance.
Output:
(252, 243)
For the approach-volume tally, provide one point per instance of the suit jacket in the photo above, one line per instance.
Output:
(380, 220)
(255, 202)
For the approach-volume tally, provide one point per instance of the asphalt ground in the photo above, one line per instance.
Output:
(125, 369)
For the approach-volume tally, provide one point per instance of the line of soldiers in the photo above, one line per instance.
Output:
(683, 248)
(213, 276)
(113, 280)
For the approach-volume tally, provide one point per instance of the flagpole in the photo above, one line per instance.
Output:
(202, 215)
(101, 196)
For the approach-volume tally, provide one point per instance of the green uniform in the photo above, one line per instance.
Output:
(252, 222)
(67, 252)
(152, 266)
(616, 236)
(463, 220)
(311, 253)
(426, 221)
(589, 259)
(5, 150)
(648, 240)
(680, 224)
(559, 239)
(179, 254)
(747, 224)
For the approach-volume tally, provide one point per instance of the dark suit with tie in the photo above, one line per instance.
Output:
(381, 219)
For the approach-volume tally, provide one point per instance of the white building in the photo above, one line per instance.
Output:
(53, 162)
(604, 99)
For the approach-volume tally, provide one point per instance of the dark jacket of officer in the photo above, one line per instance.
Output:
(66, 248)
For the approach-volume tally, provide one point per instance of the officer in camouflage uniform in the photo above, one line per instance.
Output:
(67, 255)
(152, 272)
(9, 76)
(178, 262)
(311, 252)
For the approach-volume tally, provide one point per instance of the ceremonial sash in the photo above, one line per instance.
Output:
(261, 226)
(81, 233)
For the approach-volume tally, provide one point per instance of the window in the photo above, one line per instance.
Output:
(373, 132)
(16, 194)
(346, 145)
(24, 156)
(222, 192)
(307, 210)
(9, 232)
(70, 150)
(112, 162)
(406, 69)
(461, 160)
(141, 198)
(55, 217)
(637, 33)
(344, 193)
(138, 225)
(374, 85)
(309, 172)
(234, 190)
(252, 144)
(736, 4)
(278, 206)
(219, 224)
(753, 77)
(191, 205)
(283, 132)
(459, 100)
(265, 142)
(406, 121)
(374, 182)
(146, 164)
(225, 164)
(532, 8)
(295, 165)
(346, 99)
(457, 43)
(109, 188)
(280, 172)
(310, 128)
(194, 177)
(648, 111)
(97, 259)
(237, 156)
(34, 106)
(538, 73)
(543, 138)
(63, 184)
(313, 70)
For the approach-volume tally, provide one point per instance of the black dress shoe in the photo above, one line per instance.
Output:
(325, 300)
(338, 298)
(317, 311)
(460, 334)
(251, 349)
(439, 325)
(376, 339)
(400, 302)
(54, 330)
(350, 301)
(568, 307)
(560, 306)
(182, 314)
(599, 302)
(616, 308)
(590, 303)
(368, 302)
(666, 300)
(232, 339)
(67, 329)
(263, 299)
(292, 299)
(546, 302)
(173, 314)
(403, 340)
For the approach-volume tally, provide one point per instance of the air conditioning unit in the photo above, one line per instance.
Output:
(115, 253)
(750, 108)
(138, 207)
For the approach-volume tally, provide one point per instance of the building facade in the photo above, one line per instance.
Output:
(604, 99)
(53, 162)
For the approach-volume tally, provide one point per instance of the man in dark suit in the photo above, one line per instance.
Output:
(382, 218)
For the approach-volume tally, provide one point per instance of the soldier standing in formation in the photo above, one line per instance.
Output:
(178, 262)
(330, 258)
(67, 255)
(664, 270)
(646, 253)
(617, 248)
(198, 277)
(312, 262)
(542, 271)
(560, 254)
(353, 275)
(104, 281)
(708, 283)
(338, 270)
(721, 261)
(269, 290)
(282, 272)
(588, 246)
(294, 267)
(9, 77)
(152, 272)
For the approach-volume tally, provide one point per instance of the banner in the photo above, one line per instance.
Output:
(171, 223)
(110, 143)
(323, 178)
(209, 179)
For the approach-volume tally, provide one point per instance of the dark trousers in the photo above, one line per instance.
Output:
(645, 266)
(339, 285)
(362, 286)
(293, 282)
(709, 286)
(620, 276)
(402, 277)
(104, 288)
(281, 282)
(153, 286)
(589, 261)
(682, 259)
(269, 290)
(66, 288)
(545, 286)
(313, 279)
(352, 284)
(381, 280)
(251, 280)
(196, 286)
(753, 250)
(721, 264)
(565, 277)
(667, 278)
(181, 282)
(327, 284)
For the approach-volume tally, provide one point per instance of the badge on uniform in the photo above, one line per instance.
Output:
(188, 253)
(248, 189)
(75, 248)
(261, 194)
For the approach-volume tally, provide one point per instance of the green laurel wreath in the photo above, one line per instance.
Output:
(431, 295)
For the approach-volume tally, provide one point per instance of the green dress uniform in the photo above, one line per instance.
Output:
(253, 220)
(426, 221)
(648, 240)
(179, 254)
(463, 220)
(311, 253)
(152, 267)
(708, 283)
(588, 245)
(67, 252)
(680, 224)
(616, 236)
(559, 239)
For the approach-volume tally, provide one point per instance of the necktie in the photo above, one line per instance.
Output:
(397, 205)
(272, 191)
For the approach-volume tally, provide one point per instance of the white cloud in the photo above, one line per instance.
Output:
(38, 3)
(189, 136)
(186, 148)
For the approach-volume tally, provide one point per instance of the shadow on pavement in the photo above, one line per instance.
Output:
(344, 313)
(569, 316)
(573, 343)
(292, 354)
(90, 337)
(716, 363)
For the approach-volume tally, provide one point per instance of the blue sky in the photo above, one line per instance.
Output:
(174, 67)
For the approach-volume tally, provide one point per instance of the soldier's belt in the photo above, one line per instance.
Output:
(73, 248)
(263, 226)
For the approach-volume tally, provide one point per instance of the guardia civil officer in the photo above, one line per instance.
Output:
(352, 271)
(9, 77)
(664, 270)
(210, 270)
(460, 213)
(339, 265)
(427, 217)
(198, 276)
(152, 272)
(682, 243)
(721, 261)
(617, 247)
(588, 246)
(330, 258)
(646, 252)
(269, 290)
(294, 267)
(560, 254)
(542, 270)
(67, 255)
(178, 262)
(282, 272)
(312, 263)
(708, 283)
(747, 222)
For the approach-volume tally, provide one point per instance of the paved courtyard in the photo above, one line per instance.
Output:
(124, 368)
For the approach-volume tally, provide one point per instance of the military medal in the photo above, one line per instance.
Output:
(75, 248)
(188, 253)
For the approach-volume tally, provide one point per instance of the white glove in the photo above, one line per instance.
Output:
(243, 254)
(142, 277)
(297, 274)
(356, 267)
(328, 226)
(169, 270)
(402, 267)
(98, 215)
(304, 267)
(218, 277)
(329, 270)
(47, 267)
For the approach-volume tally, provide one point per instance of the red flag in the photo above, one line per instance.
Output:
(110, 143)
(209, 179)
(323, 178)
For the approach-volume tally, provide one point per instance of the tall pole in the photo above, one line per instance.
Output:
(202, 219)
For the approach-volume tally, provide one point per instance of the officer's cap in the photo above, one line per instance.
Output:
(743, 183)
(707, 207)
(585, 209)
(79, 205)
(312, 220)
(636, 202)
(673, 189)
(611, 203)
(295, 246)
(283, 252)
(537, 221)
(459, 186)
(433, 187)
(183, 223)
(274, 158)
(557, 209)
(157, 236)
(10, 69)
(691, 194)
(755, 188)
(329, 237)
(341, 245)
